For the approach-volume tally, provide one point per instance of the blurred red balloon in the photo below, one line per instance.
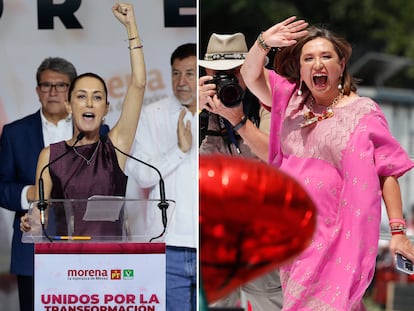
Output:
(253, 218)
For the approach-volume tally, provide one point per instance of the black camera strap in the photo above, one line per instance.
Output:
(203, 125)
(251, 107)
(228, 134)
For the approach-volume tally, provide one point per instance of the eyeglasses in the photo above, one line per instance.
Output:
(59, 87)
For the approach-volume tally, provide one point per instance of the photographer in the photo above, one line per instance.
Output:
(231, 122)
(232, 119)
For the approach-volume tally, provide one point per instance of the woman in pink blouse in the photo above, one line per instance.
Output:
(339, 147)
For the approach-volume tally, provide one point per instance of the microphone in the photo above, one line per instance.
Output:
(163, 204)
(42, 205)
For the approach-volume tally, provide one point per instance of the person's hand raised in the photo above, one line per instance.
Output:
(124, 12)
(185, 138)
(285, 33)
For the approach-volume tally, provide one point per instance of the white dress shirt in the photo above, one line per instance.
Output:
(156, 143)
(52, 133)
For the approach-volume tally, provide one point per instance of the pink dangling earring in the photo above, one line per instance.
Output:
(300, 89)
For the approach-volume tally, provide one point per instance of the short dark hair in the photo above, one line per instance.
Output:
(56, 64)
(184, 51)
(90, 75)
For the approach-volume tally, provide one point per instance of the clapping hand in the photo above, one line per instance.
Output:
(185, 138)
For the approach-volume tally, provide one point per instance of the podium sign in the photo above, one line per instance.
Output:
(99, 254)
(100, 276)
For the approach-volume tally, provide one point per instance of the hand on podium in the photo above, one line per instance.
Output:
(30, 222)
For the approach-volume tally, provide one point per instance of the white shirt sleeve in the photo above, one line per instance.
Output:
(23, 198)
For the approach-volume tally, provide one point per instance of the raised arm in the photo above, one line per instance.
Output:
(255, 75)
(123, 133)
(253, 70)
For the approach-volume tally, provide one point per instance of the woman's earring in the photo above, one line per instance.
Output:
(300, 89)
(340, 83)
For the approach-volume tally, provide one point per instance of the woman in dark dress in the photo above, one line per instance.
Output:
(92, 166)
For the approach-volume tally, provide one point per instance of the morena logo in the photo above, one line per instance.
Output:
(87, 273)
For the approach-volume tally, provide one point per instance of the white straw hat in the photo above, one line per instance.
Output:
(225, 52)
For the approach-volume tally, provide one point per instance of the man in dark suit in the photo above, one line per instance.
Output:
(20, 144)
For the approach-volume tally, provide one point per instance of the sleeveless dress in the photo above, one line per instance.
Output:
(74, 178)
(338, 161)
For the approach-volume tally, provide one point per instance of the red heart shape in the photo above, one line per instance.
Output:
(253, 217)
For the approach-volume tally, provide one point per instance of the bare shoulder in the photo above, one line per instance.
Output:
(44, 154)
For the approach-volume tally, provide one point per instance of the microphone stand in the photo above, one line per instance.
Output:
(42, 204)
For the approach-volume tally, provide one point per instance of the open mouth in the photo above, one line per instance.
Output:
(320, 79)
(88, 115)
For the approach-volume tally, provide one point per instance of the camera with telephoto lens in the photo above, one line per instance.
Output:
(228, 89)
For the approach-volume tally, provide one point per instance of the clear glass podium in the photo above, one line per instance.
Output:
(100, 219)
